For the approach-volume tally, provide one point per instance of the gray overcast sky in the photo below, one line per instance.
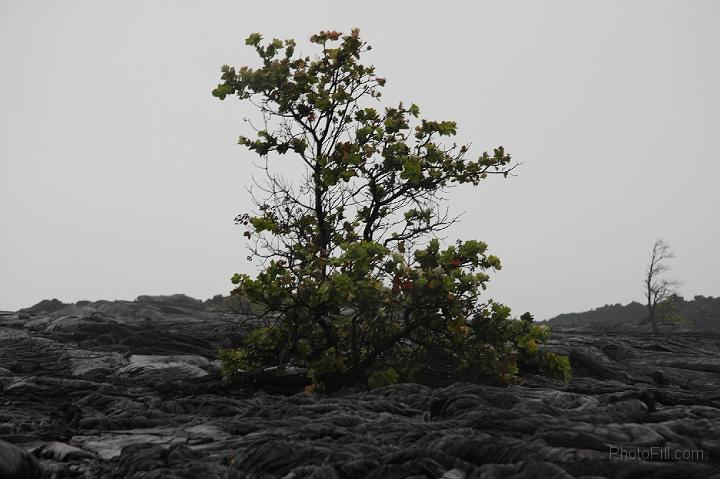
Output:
(120, 176)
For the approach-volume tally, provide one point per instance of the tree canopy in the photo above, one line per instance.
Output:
(355, 284)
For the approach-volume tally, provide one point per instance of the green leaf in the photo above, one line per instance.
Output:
(254, 39)
(412, 169)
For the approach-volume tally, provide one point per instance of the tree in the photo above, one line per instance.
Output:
(355, 285)
(660, 293)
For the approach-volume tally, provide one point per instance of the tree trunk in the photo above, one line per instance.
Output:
(652, 317)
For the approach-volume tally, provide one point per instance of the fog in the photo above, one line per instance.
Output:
(120, 174)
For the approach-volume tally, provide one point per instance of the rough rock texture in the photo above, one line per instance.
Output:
(131, 390)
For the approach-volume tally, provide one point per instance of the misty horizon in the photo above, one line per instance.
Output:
(120, 174)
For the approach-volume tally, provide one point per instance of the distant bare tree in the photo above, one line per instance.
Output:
(658, 290)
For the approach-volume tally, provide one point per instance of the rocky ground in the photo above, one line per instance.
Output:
(131, 390)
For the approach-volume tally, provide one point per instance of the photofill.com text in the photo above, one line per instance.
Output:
(655, 454)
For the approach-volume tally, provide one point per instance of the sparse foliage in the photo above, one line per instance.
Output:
(355, 284)
(660, 293)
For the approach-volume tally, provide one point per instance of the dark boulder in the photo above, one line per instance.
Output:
(17, 463)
